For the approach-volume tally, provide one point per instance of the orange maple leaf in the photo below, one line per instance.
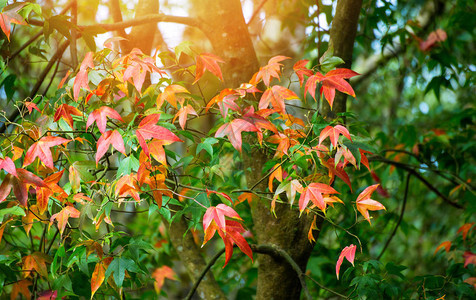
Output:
(364, 203)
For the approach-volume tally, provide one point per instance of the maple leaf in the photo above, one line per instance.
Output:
(259, 121)
(446, 245)
(434, 37)
(208, 61)
(182, 115)
(35, 261)
(8, 165)
(148, 129)
(276, 96)
(364, 203)
(333, 134)
(10, 15)
(349, 253)
(47, 295)
(2, 227)
(469, 258)
(30, 106)
(217, 215)
(19, 185)
(276, 174)
(160, 274)
(465, 229)
(471, 281)
(43, 194)
(81, 79)
(170, 95)
(333, 80)
(234, 129)
(314, 192)
(337, 170)
(244, 197)
(33, 213)
(41, 149)
(99, 115)
(111, 137)
(62, 217)
(310, 236)
(21, 287)
(99, 273)
(233, 236)
(65, 111)
(127, 186)
(271, 70)
(301, 70)
(224, 94)
(290, 187)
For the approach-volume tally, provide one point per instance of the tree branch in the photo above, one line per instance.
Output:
(405, 197)
(419, 176)
(136, 22)
(202, 275)
(58, 54)
(278, 253)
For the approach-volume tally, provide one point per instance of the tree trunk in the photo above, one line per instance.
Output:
(343, 32)
(227, 31)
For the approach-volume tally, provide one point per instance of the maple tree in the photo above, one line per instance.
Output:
(204, 142)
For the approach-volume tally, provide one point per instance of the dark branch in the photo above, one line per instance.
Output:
(405, 197)
(202, 275)
(411, 170)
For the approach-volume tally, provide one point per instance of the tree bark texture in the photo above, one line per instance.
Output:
(225, 27)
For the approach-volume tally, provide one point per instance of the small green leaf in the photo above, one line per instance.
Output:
(118, 267)
(330, 63)
(15, 210)
(127, 165)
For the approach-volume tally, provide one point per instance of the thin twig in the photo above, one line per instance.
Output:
(405, 197)
(419, 176)
(204, 272)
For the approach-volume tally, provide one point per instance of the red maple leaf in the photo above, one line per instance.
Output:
(65, 111)
(333, 80)
(19, 185)
(465, 229)
(234, 129)
(434, 37)
(446, 245)
(99, 115)
(229, 230)
(314, 192)
(208, 61)
(337, 170)
(111, 137)
(30, 106)
(364, 203)
(10, 15)
(136, 66)
(301, 70)
(81, 79)
(148, 129)
(271, 70)
(276, 96)
(8, 165)
(41, 149)
(349, 253)
(233, 236)
(469, 258)
(333, 133)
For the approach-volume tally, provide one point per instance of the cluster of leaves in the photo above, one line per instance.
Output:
(137, 121)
